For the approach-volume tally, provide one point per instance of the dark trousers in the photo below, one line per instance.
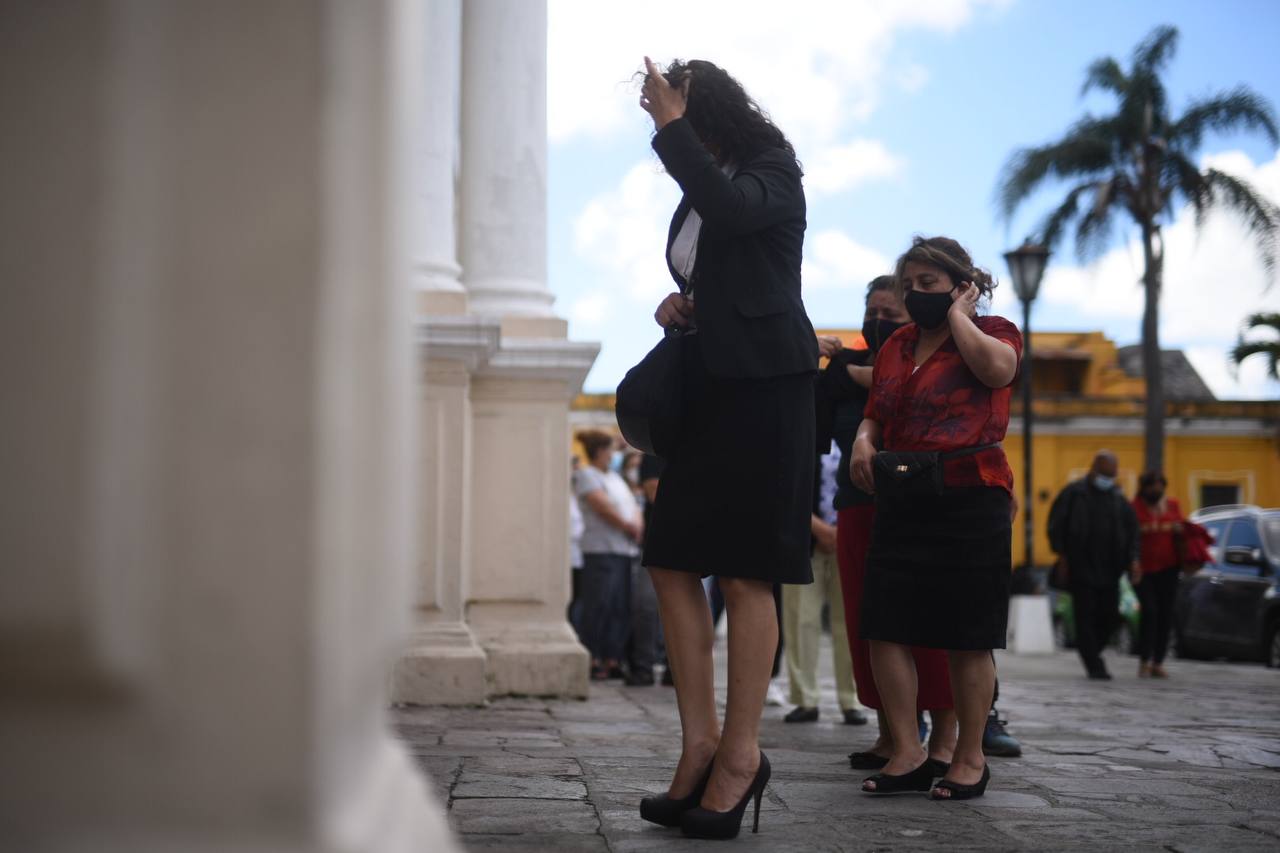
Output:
(606, 611)
(574, 613)
(1156, 593)
(645, 625)
(1096, 609)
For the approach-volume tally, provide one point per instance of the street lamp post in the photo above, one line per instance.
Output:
(1026, 268)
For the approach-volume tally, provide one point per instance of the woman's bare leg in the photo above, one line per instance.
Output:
(973, 683)
(895, 672)
(686, 624)
(884, 738)
(753, 640)
(942, 734)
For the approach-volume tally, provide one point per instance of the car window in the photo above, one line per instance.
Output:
(1243, 534)
(1219, 530)
(1271, 535)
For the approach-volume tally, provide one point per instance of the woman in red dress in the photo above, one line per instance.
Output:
(842, 398)
(939, 566)
(1156, 580)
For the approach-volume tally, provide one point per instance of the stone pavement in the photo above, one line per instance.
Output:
(1192, 763)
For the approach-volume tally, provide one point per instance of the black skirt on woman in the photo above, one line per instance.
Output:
(736, 495)
(939, 570)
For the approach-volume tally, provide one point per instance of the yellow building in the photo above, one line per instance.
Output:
(1087, 395)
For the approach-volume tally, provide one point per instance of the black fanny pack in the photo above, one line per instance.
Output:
(910, 473)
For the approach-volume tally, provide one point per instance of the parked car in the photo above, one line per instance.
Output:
(1126, 636)
(1231, 607)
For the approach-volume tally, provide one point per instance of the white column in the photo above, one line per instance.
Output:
(434, 83)
(519, 584)
(504, 174)
(443, 664)
(208, 528)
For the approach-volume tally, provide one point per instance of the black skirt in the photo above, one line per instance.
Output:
(939, 570)
(736, 494)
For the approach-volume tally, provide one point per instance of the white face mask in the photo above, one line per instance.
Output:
(615, 461)
(1102, 482)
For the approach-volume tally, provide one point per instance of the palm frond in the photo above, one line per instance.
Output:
(1054, 225)
(1093, 231)
(1181, 177)
(1261, 217)
(1156, 49)
(1271, 349)
(1262, 319)
(1239, 108)
(1085, 152)
(1107, 75)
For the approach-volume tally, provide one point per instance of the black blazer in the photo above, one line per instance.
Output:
(746, 278)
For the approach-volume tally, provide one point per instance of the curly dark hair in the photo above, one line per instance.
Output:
(728, 121)
(950, 257)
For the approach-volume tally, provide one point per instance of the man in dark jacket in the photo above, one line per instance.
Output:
(1094, 532)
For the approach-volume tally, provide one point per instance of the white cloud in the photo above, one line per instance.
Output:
(1212, 281)
(834, 259)
(838, 168)
(816, 69)
(591, 310)
(621, 232)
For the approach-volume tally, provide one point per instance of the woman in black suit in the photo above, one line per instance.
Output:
(734, 500)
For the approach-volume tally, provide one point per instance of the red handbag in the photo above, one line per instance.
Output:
(1195, 541)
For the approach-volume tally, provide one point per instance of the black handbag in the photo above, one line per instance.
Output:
(649, 401)
(914, 473)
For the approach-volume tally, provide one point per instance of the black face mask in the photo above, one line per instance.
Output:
(929, 310)
(876, 332)
(1152, 496)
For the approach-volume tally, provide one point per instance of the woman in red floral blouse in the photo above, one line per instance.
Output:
(938, 570)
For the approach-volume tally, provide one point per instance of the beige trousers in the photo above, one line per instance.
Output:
(802, 631)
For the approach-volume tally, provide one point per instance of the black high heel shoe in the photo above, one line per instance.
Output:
(956, 791)
(666, 810)
(704, 823)
(920, 779)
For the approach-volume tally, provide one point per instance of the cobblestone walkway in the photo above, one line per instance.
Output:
(1189, 764)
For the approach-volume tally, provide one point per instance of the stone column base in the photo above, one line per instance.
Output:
(534, 659)
(442, 666)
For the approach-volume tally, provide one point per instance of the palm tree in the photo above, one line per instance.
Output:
(1271, 349)
(1138, 162)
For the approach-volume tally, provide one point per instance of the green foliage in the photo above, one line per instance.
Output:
(1140, 160)
(1271, 349)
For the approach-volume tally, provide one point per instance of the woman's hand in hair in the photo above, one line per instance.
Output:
(964, 299)
(676, 310)
(659, 98)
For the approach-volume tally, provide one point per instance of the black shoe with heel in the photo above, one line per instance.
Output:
(704, 823)
(920, 779)
(666, 810)
(956, 791)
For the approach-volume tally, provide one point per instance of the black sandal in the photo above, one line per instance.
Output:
(962, 792)
(867, 761)
(939, 767)
(920, 779)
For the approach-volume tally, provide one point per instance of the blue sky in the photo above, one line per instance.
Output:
(903, 115)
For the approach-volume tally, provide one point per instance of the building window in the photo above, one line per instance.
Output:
(1219, 494)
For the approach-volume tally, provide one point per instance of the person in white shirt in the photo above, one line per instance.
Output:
(612, 529)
